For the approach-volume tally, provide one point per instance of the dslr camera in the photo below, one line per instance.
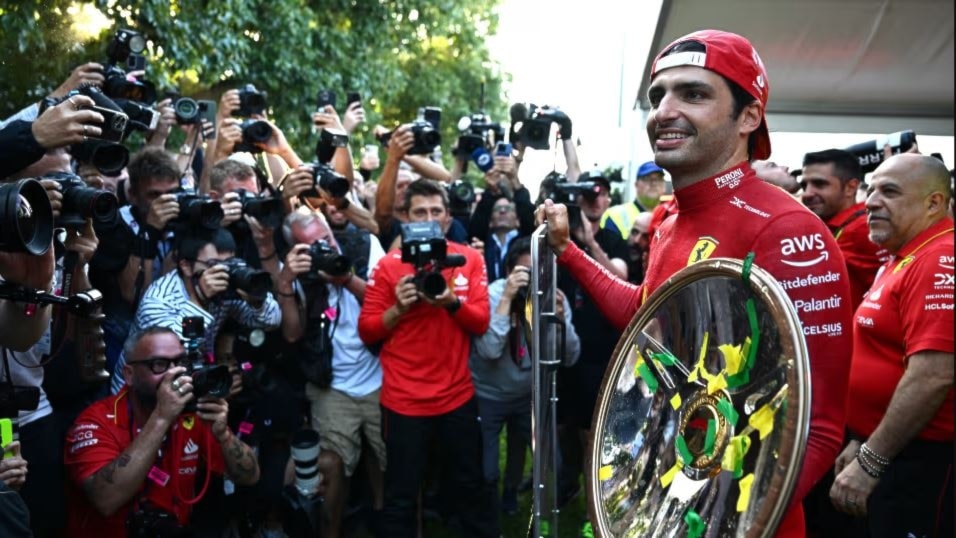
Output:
(569, 194)
(251, 102)
(114, 119)
(253, 132)
(26, 217)
(477, 131)
(531, 124)
(81, 202)
(268, 211)
(193, 112)
(327, 259)
(323, 175)
(248, 280)
(196, 211)
(461, 194)
(149, 521)
(141, 117)
(426, 129)
(209, 379)
(125, 50)
(107, 157)
(424, 246)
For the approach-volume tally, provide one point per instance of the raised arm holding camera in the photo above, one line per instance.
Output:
(133, 458)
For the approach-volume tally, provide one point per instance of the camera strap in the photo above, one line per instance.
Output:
(839, 229)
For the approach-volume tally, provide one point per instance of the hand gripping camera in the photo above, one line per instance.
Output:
(424, 246)
(246, 279)
(208, 379)
(196, 211)
(323, 175)
(124, 50)
(569, 194)
(326, 259)
(81, 202)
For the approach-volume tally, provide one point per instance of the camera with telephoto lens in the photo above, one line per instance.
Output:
(81, 202)
(26, 217)
(323, 175)
(253, 282)
(531, 125)
(251, 102)
(125, 49)
(424, 246)
(461, 195)
(109, 158)
(208, 379)
(327, 259)
(870, 153)
(149, 521)
(268, 211)
(425, 129)
(569, 194)
(196, 211)
(254, 363)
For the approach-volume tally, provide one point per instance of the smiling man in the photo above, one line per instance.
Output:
(708, 95)
(830, 181)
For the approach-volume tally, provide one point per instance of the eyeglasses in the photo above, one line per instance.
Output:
(504, 208)
(635, 231)
(159, 365)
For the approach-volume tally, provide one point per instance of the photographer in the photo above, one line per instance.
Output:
(135, 250)
(203, 285)
(501, 369)
(426, 388)
(133, 458)
(344, 383)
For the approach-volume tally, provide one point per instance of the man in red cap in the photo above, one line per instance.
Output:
(708, 96)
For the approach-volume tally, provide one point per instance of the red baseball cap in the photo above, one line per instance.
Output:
(733, 57)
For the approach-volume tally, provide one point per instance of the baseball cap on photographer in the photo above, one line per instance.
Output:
(733, 57)
(648, 168)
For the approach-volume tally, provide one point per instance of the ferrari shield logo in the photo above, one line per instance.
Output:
(188, 422)
(705, 246)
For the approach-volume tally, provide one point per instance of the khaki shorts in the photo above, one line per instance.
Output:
(341, 421)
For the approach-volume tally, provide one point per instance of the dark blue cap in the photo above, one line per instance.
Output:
(648, 168)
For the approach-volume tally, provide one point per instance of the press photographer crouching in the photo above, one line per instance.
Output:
(135, 459)
(344, 377)
(210, 283)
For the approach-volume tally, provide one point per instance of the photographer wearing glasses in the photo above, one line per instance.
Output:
(133, 458)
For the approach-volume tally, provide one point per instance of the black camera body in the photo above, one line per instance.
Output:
(268, 211)
(208, 379)
(81, 202)
(253, 282)
(192, 112)
(197, 211)
(151, 522)
(251, 102)
(323, 175)
(424, 246)
(141, 117)
(14, 399)
(477, 131)
(109, 158)
(427, 138)
(461, 195)
(870, 153)
(326, 259)
(253, 132)
(124, 50)
(569, 194)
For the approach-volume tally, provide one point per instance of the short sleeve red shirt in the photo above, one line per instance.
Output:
(909, 309)
(101, 433)
(863, 257)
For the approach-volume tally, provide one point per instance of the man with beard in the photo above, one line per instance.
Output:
(133, 457)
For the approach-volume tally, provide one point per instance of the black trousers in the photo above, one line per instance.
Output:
(915, 494)
(458, 434)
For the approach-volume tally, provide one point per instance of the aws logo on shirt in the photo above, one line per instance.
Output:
(802, 247)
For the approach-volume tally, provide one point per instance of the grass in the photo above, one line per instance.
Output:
(569, 523)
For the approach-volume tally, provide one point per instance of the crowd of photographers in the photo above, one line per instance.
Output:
(221, 335)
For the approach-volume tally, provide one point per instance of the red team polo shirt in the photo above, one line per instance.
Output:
(102, 432)
(730, 215)
(909, 309)
(425, 356)
(863, 257)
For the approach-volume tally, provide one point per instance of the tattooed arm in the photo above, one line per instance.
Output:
(117, 482)
(241, 463)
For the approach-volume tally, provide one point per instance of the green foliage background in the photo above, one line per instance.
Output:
(400, 54)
